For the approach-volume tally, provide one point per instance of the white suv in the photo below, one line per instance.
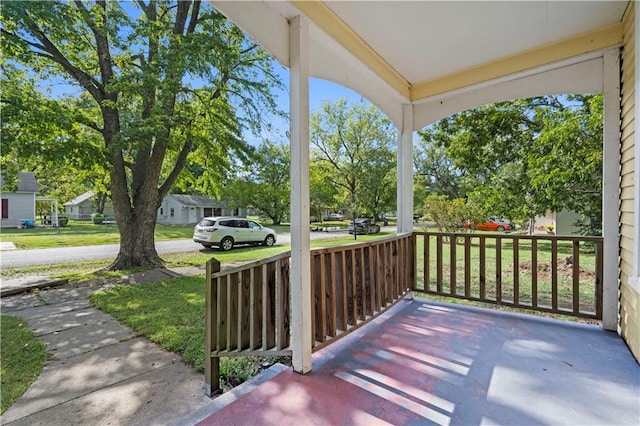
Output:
(225, 232)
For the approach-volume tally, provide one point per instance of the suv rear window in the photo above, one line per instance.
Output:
(205, 222)
(227, 223)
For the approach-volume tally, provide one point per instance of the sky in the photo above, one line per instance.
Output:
(320, 91)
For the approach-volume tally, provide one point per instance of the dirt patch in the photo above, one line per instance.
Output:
(565, 269)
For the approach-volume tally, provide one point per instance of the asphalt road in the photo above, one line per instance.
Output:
(17, 258)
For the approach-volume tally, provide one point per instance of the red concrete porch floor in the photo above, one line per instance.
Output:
(431, 363)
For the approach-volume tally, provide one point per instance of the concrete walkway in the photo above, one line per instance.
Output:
(100, 371)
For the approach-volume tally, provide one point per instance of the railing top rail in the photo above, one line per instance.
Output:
(514, 236)
(250, 265)
(356, 245)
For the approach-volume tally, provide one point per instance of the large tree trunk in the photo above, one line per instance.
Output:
(137, 243)
(137, 226)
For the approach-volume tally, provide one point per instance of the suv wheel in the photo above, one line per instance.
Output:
(269, 240)
(226, 244)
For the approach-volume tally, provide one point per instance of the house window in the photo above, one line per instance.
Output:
(236, 212)
(217, 212)
(208, 211)
(5, 208)
(172, 212)
(161, 211)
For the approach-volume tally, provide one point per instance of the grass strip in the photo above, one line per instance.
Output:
(171, 314)
(22, 358)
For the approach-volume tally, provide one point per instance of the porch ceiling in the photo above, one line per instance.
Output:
(406, 51)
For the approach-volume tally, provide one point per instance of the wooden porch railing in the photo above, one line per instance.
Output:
(354, 283)
(246, 312)
(545, 273)
(248, 307)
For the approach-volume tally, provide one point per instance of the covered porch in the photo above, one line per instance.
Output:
(424, 362)
(420, 62)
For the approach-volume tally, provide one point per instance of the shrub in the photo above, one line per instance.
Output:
(97, 218)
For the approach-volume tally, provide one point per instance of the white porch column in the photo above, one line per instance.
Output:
(610, 176)
(299, 134)
(405, 171)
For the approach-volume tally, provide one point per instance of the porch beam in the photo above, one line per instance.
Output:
(597, 40)
(610, 177)
(405, 171)
(330, 23)
(300, 246)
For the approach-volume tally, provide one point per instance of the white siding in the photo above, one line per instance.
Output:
(20, 206)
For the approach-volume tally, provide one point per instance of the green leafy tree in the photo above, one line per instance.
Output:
(161, 85)
(524, 157)
(323, 193)
(450, 214)
(357, 144)
(263, 182)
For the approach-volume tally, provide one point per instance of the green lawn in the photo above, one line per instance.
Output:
(78, 234)
(512, 268)
(86, 270)
(22, 357)
(82, 234)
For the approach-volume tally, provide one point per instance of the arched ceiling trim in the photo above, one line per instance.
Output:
(324, 18)
(583, 77)
(603, 38)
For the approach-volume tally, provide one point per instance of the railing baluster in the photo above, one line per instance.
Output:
(483, 269)
(252, 309)
(439, 271)
(265, 304)
(498, 270)
(363, 292)
(354, 287)
(426, 260)
(331, 283)
(240, 311)
(554, 274)
(345, 301)
(534, 273)
(229, 314)
(516, 272)
(467, 266)
(322, 298)
(452, 264)
(278, 305)
(373, 282)
(575, 267)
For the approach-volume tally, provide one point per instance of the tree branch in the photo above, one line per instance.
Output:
(177, 168)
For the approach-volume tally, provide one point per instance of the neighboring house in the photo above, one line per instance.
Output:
(179, 209)
(81, 207)
(20, 204)
(562, 222)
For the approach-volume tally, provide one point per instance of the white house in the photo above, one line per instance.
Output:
(81, 207)
(562, 222)
(180, 209)
(20, 204)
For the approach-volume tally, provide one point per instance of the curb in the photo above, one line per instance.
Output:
(32, 286)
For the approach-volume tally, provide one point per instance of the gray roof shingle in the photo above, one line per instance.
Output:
(27, 182)
(196, 200)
